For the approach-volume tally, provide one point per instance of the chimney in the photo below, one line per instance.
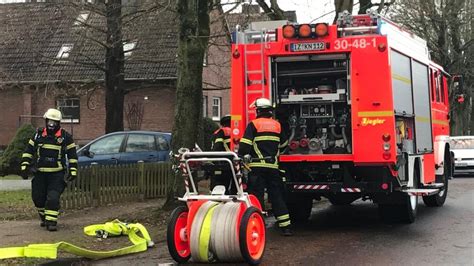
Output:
(250, 9)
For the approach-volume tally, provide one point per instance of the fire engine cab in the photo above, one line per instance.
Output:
(364, 108)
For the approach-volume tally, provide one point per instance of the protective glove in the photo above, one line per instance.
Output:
(24, 172)
(72, 174)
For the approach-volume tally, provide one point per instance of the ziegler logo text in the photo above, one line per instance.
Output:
(372, 122)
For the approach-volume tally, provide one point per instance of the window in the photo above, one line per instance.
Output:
(204, 106)
(140, 143)
(441, 87)
(64, 51)
(162, 143)
(81, 19)
(107, 145)
(70, 107)
(216, 108)
(437, 85)
(204, 60)
(128, 48)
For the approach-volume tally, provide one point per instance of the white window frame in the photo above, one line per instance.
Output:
(65, 51)
(81, 18)
(205, 103)
(216, 102)
(59, 105)
(128, 48)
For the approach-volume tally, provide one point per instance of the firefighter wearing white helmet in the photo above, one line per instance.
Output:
(45, 156)
(264, 140)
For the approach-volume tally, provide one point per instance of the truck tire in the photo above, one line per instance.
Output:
(405, 212)
(342, 199)
(300, 209)
(438, 199)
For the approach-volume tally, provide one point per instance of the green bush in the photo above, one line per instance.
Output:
(11, 157)
(208, 127)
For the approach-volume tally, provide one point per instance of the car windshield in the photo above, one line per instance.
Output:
(459, 144)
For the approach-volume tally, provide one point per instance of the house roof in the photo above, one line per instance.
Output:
(32, 34)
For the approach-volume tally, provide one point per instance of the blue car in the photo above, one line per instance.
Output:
(126, 147)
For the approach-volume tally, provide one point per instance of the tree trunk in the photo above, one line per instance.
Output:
(364, 6)
(192, 44)
(114, 68)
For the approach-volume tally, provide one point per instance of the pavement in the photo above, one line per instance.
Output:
(15, 185)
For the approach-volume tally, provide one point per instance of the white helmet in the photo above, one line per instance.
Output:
(53, 114)
(262, 103)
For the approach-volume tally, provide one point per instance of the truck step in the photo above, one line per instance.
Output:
(421, 191)
(434, 185)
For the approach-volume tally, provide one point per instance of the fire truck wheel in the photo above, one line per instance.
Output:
(405, 211)
(300, 209)
(438, 199)
(252, 236)
(176, 236)
(344, 199)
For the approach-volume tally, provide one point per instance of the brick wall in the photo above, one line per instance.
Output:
(216, 74)
(158, 112)
(11, 106)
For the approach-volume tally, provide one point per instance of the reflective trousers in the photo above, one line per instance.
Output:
(46, 192)
(261, 178)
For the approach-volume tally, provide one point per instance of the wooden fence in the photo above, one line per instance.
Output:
(98, 185)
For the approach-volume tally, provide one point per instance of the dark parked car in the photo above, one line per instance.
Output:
(126, 147)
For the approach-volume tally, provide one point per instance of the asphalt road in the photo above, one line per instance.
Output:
(354, 235)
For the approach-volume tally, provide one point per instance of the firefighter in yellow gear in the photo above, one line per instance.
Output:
(221, 142)
(264, 140)
(48, 155)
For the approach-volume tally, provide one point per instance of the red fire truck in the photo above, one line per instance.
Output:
(364, 108)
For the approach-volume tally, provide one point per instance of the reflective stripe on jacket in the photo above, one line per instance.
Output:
(221, 139)
(49, 152)
(263, 139)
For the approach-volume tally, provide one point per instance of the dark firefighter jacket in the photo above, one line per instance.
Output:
(263, 139)
(48, 153)
(221, 139)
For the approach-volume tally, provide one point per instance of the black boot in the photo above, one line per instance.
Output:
(286, 231)
(43, 221)
(51, 226)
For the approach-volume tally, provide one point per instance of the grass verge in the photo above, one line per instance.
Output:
(16, 205)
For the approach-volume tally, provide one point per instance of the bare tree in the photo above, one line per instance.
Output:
(192, 43)
(273, 11)
(448, 28)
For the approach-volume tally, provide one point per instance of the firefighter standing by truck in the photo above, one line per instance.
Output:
(263, 140)
(46, 155)
(221, 142)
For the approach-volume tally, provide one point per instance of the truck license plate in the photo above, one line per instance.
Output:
(313, 46)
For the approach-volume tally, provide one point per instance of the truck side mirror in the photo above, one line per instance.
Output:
(458, 83)
(458, 89)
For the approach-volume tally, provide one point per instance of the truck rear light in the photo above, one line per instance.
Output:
(294, 144)
(384, 186)
(289, 31)
(236, 54)
(321, 29)
(386, 146)
(386, 137)
(304, 31)
(382, 47)
(386, 155)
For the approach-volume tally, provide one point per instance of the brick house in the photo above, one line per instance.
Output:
(50, 58)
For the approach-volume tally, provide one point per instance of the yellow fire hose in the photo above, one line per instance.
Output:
(113, 228)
